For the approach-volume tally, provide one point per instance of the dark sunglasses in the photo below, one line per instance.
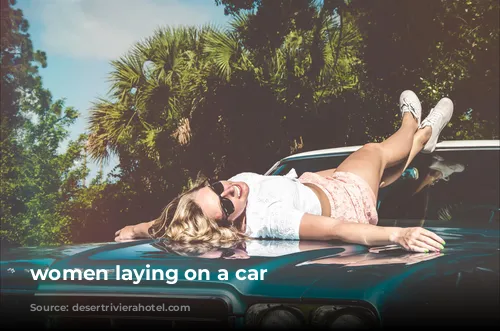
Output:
(225, 203)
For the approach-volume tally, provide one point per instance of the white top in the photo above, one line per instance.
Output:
(276, 205)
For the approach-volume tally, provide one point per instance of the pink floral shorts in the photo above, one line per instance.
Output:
(351, 199)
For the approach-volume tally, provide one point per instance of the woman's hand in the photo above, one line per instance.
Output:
(418, 239)
(132, 232)
(126, 233)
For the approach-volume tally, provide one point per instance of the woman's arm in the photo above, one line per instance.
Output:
(136, 231)
(416, 239)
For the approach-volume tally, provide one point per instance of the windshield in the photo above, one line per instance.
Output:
(449, 188)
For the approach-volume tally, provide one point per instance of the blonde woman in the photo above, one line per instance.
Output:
(332, 204)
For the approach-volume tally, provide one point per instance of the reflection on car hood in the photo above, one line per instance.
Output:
(333, 270)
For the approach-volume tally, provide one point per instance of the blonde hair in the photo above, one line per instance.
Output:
(182, 220)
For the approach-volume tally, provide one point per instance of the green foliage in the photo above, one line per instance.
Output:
(35, 177)
(437, 48)
(285, 76)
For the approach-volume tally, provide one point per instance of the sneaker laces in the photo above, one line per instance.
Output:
(433, 118)
(408, 106)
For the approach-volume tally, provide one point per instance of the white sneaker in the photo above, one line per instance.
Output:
(409, 102)
(437, 119)
(446, 168)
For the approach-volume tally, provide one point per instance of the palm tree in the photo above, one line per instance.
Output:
(319, 60)
(159, 85)
(154, 88)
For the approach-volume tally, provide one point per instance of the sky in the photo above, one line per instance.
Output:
(81, 37)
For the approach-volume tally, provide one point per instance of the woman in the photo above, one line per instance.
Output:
(331, 204)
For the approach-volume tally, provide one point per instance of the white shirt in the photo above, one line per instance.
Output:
(276, 205)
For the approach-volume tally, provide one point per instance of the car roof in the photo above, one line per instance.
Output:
(441, 146)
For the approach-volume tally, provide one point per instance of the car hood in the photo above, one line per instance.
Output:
(336, 270)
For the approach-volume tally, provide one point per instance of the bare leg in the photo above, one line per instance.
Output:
(419, 141)
(370, 161)
(393, 174)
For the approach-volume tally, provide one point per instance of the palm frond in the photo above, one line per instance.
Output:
(107, 123)
(126, 77)
(239, 22)
(224, 49)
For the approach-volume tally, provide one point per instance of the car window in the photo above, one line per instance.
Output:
(471, 193)
(457, 188)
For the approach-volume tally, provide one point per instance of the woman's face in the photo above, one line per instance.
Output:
(210, 203)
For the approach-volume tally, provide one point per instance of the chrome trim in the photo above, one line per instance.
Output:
(273, 168)
(340, 154)
(447, 144)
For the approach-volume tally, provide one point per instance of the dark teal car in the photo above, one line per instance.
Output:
(287, 284)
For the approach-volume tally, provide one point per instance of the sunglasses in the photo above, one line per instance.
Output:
(225, 203)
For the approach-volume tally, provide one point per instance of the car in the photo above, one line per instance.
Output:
(264, 283)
